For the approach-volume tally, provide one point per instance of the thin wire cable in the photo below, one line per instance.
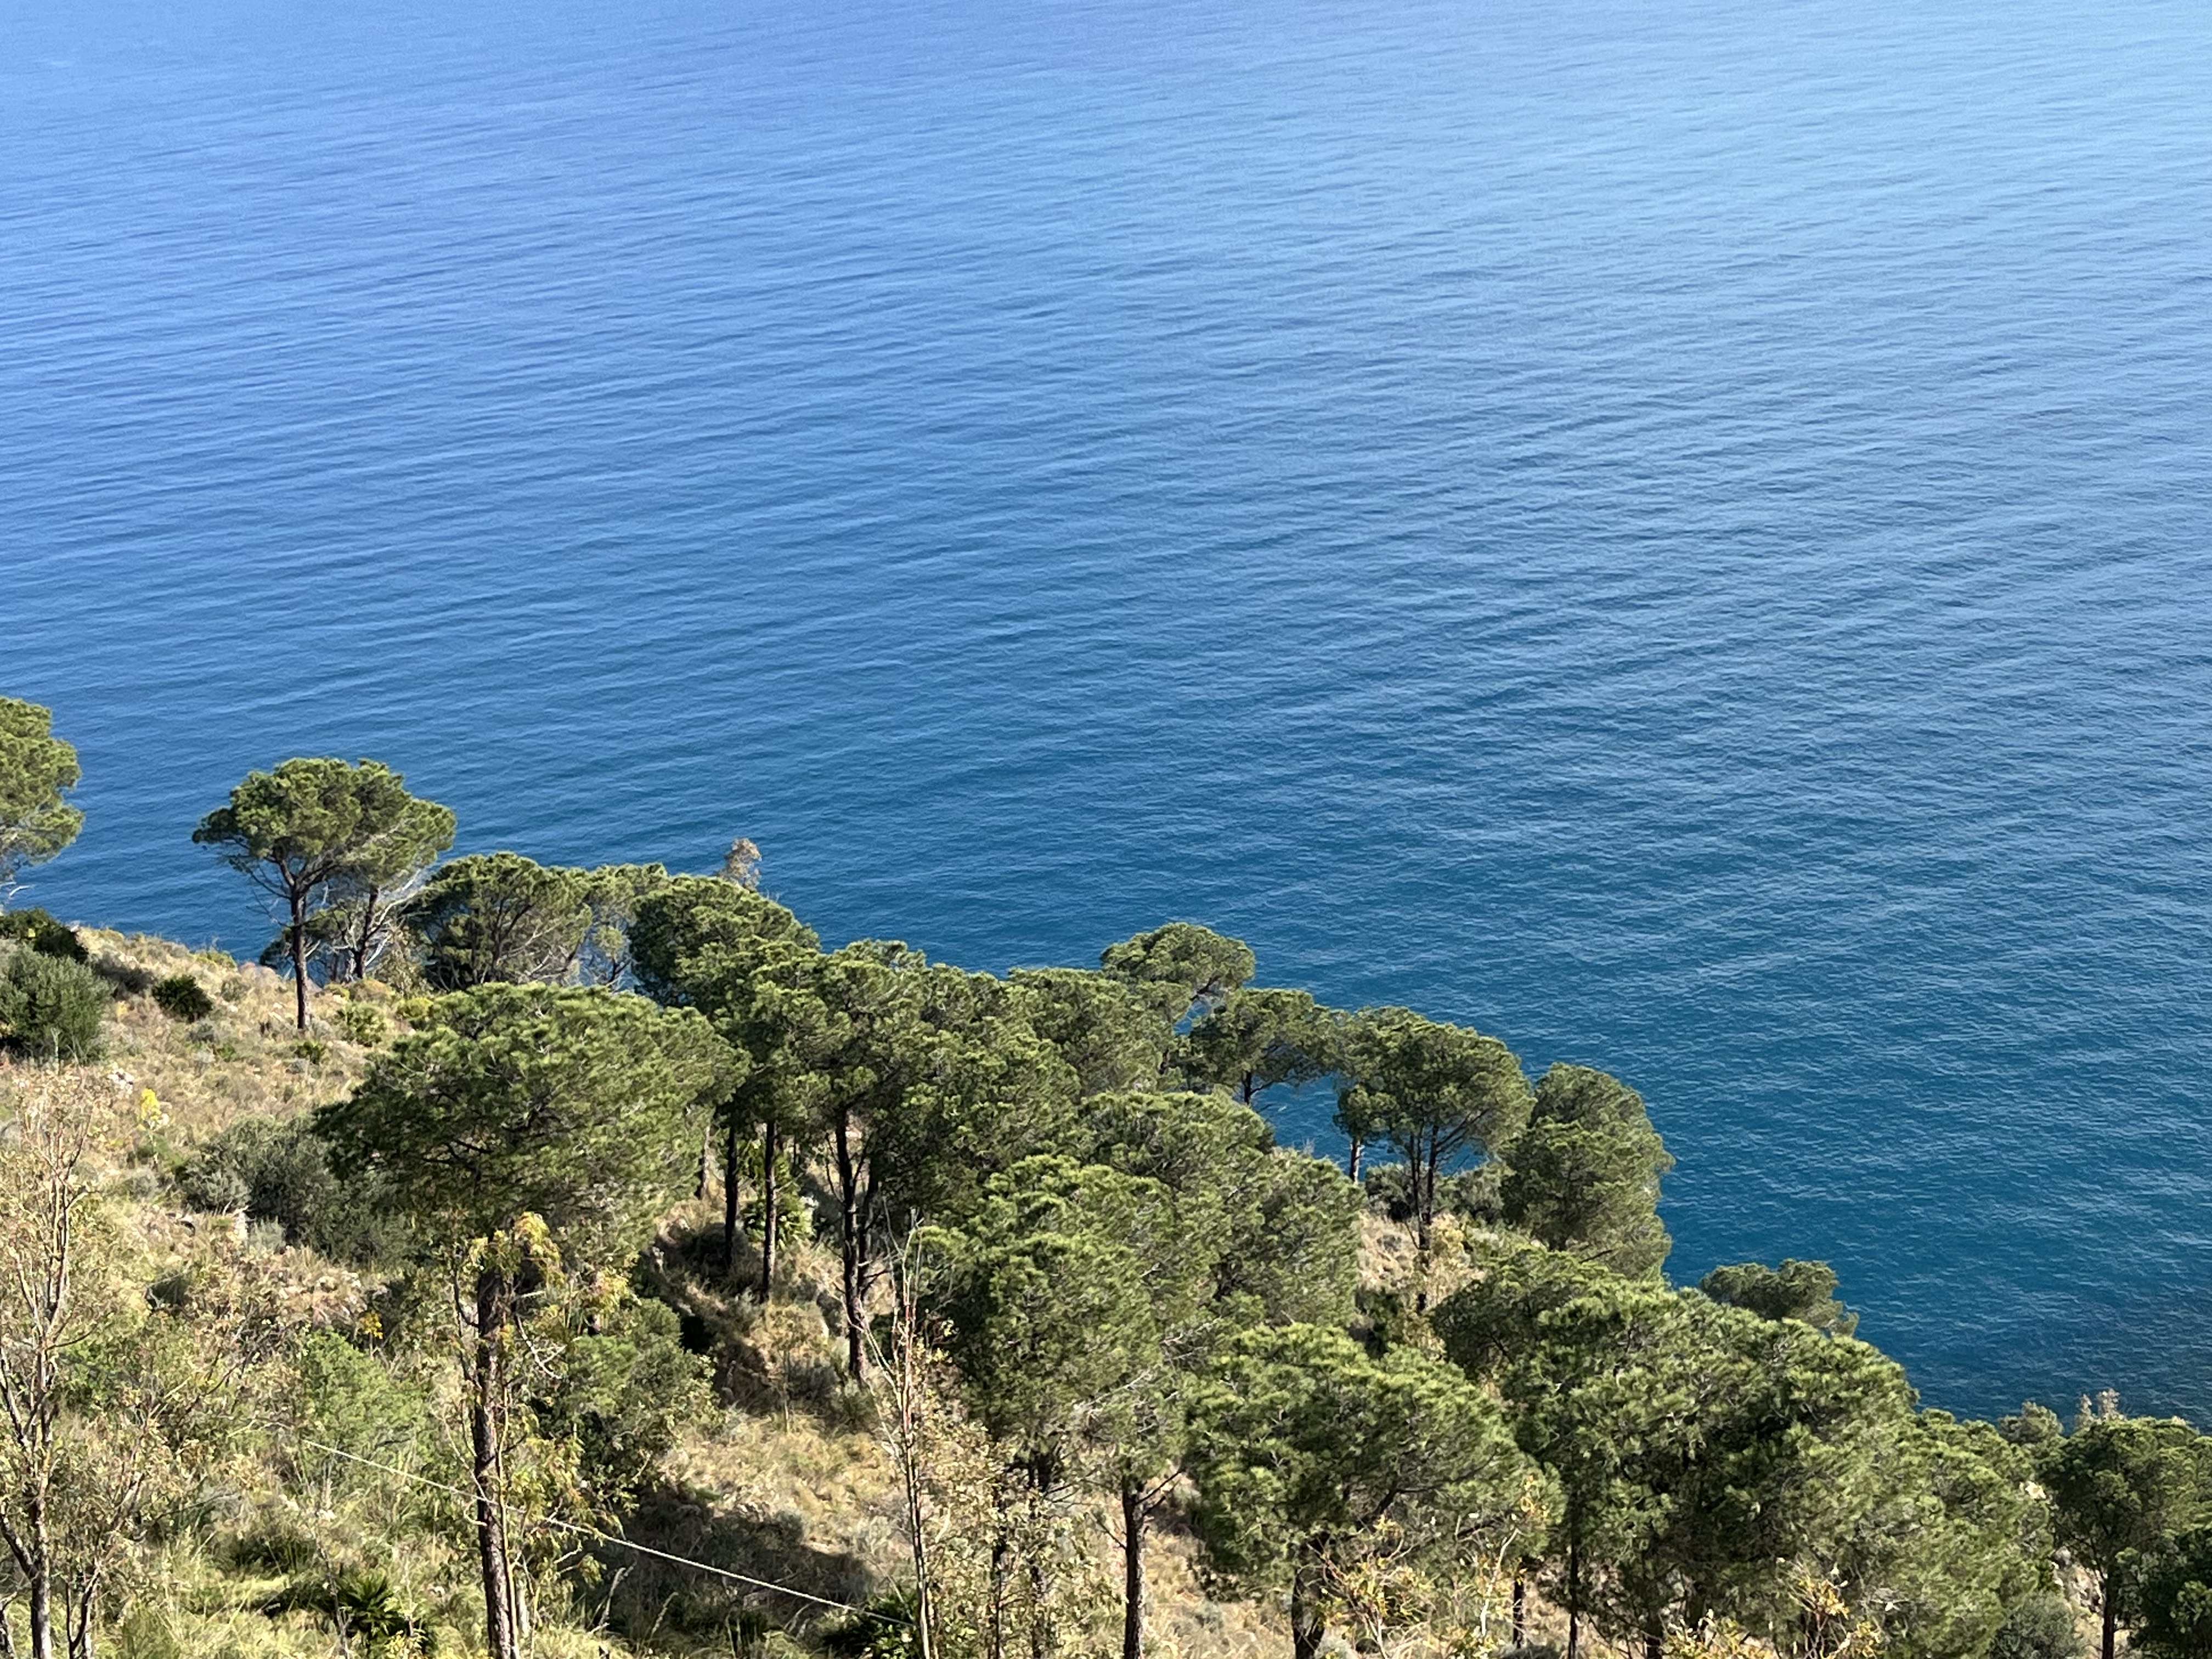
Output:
(608, 1537)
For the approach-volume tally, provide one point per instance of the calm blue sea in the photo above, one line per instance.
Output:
(1680, 533)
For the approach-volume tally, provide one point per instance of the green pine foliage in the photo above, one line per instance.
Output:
(182, 998)
(51, 1008)
(37, 770)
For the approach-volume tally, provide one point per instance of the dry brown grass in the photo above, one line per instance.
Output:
(244, 1060)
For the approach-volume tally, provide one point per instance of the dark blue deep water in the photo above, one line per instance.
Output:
(1680, 533)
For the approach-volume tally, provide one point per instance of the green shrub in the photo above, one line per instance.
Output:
(180, 997)
(280, 1172)
(42, 933)
(349, 1399)
(313, 1050)
(362, 1023)
(2041, 1627)
(360, 1599)
(51, 1007)
(885, 1629)
(627, 1390)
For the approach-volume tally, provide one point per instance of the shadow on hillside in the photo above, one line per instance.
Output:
(654, 1602)
(774, 1359)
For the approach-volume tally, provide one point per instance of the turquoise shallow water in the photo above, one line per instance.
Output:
(1679, 533)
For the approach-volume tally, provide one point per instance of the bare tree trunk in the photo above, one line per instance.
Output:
(730, 1201)
(770, 1215)
(997, 1647)
(1574, 1597)
(1520, 1612)
(1309, 1628)
(1135, 1516)
(491, 1518)
(79, 1619)
(1351, 1163)
(299, 900)
(848, 1239)
(42, 1602)
(366, 936)
(1425, 1194)
(2111, 1613)
(909, 1399)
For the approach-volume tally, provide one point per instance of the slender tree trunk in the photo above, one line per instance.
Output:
(518, 1586)
(300, 956)
(1135, 1516)
(362, 939)
(730, 1201)
(491, 1519)
(848, 1239)
(82, 1633)
(998, 1632)
(907, 1395)
(2111, 1613)
(1574, 1597)
(772, 1204)
(42, 1602)
(1520, 1612)
(1351, 1163)
(1425, 1195)
(1654, 1643)
(1309, 1628)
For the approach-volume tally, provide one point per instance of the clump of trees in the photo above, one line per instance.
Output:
(37, 772)
(1077, 1284)
(332, 843)
(50, 1002)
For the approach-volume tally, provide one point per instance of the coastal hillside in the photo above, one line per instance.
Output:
(311, 1491)
(779, 1473)
(529, 1259)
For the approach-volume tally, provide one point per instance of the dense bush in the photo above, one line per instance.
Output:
(51, 1007)
(359, 1601)
(42, 933)
(884, 1628)
(628, 1389)
(362, 1023)
(350, 1401)
(2041, 1627)
(180, 997)
(280, 1172)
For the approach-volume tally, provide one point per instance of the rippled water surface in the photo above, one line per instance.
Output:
(1680, 533)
